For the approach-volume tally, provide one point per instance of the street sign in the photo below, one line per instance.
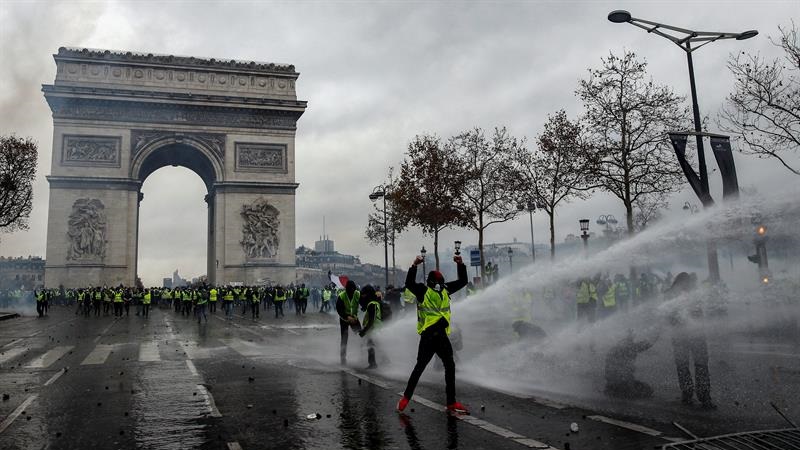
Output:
(474, 258)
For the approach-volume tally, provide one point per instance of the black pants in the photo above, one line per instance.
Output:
(278, 308)
(687, 347)
(303, 305)
(343, 327)
(212, 306)
(255, 309)
(434, 342)
(587, 311)
(117, 309)
(146, 309)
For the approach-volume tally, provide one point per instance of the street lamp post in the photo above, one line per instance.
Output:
(530, 206)
(585, 234)
(377, 193)
(684, 39)
(510, 260)
(423, 252)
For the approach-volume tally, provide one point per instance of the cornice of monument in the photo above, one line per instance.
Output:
(155, 59)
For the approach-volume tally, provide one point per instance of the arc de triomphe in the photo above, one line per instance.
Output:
(119, 116)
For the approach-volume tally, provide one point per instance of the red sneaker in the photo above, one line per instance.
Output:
(457, 408)
(401, 405)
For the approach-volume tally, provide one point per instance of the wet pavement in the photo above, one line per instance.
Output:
(166, 382)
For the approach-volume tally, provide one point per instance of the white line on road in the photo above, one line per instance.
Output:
(492, 428)
(13, 342)
(234, 446)
(55, 377)
(102, 333)
(191, 367)
(209, 401)
(366, 378)
(13, 416)
(148, 352)
(99, 355)
(631, 426)
(10, 354)
(50, 357)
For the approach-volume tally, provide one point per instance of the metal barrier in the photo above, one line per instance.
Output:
(783, 439)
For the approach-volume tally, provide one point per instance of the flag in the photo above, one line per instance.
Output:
(339, 281)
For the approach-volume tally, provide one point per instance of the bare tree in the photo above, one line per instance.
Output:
(430, 181)
(558, 170)
(626, 117)
(17, 172)
(764, 110)
(647, 209)
(492, 178)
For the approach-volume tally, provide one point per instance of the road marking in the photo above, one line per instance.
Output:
(234, 446)
(13, 416)
(209, 401)
(366, 378)
(99, 355)
(10, 354)
(492, 428)
(192, 368)
(55, 377)
(148, 352)
(97, 339)
(13, 342)
(50, 357)
(632, 426)
(243, 348)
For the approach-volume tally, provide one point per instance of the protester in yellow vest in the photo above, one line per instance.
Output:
(347, 308)
(371, 305)
(433, 326)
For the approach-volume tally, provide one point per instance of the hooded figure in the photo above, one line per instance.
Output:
(347, 307)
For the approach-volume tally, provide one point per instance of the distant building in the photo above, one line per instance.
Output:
(27, 273)
(313, 266)
(324, 245)
(167, 283)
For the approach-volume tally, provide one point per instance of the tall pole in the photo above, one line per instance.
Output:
(711, 245)
(533, 249)
(385, 243)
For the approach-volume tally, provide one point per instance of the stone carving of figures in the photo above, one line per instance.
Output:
(260, 226)
(87, 230)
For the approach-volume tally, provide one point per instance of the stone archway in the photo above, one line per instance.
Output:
(118, 117)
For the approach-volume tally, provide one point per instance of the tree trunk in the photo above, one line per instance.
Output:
(629, 217)
(480, 249)
(552, 235)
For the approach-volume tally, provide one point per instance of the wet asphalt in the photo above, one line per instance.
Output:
(167, 382)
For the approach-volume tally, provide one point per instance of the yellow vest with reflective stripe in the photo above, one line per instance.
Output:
(350, 304)
(378, 321)
(212, 295)
(432, 309)
(118, 297)
(586, 292)
(610, 297)
(147, 298)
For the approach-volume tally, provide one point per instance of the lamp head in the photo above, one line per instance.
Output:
(619, 16)
(746, 35)
(584, 224)
(458, 247)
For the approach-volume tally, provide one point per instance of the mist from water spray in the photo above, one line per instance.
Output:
(570, 360)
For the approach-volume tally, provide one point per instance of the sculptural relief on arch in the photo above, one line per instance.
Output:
(120, 116)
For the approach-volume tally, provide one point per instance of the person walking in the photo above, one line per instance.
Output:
(148, 297)
(433, 326)
(202, 302)
(279, 299)
(347, 308)
(689, 344)
(372, 321)
(212, 300)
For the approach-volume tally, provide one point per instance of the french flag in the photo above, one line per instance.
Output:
(339, 281)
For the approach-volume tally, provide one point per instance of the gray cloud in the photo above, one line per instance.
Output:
(375, 74)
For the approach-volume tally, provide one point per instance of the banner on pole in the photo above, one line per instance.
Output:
(721, 145)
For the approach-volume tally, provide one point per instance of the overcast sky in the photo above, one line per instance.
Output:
(374, 75)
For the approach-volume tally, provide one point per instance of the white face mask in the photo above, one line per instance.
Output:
(437, 287)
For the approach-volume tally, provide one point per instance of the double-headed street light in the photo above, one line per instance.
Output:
(530, 206)
(377, 193)
(684, 39)
(607, 220)
(691, 207)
